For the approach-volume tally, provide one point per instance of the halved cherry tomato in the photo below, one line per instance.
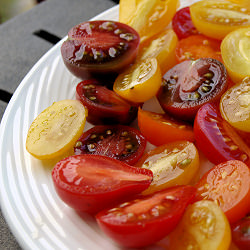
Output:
(122, 143)
(160, 129)
(175, 163)
(90, 183)
(228, 184)
(104, 105)
(235, 49)
(218, 18)
(235, 105)
(182, 23)
(191, 84)
(98, 48)
(141, 222)
(54, 131)
(140, 82)
(203, 226)
(198, 46)
(217, 139)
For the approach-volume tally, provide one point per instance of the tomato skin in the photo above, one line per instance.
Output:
(141, 222)
(90, 183)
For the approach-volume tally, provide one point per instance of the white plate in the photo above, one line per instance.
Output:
(35, 214)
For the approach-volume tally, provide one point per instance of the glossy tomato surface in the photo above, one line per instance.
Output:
(90, 183)
(104, 105)
(141, 222)
(119, 142)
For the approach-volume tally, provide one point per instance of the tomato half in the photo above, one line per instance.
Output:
(122, 143)
(90, 183)
(104, 105)
(141, 222)
(217, 139)
(191, 84)
(228, 184)
(97, 48)
(218, 18)
(160, 129)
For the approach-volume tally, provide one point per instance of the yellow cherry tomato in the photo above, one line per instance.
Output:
(235, 105)
(140, 82)
(203, 226)
(235, 52)
(56, 129)
(217, 18)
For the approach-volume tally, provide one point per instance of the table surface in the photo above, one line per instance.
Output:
(24, 39)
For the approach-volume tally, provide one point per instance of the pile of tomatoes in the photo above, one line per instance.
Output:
(138, 169)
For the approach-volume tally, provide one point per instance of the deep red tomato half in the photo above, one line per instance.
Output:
(104, 105)
(119, 142)
(191, 84)
(218, 140)
(143, 221)
(90, 183)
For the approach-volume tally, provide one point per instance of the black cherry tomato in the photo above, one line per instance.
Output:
(190, 84)
(97, 48)
(104, 105)
(90, 183)
(120, 142)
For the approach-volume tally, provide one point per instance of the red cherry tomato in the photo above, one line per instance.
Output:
(191, 84)
(104, 105)
(141, 222)
(218, 140)
(119, 142)
(97, 48)
(182, 23)
(90, 183)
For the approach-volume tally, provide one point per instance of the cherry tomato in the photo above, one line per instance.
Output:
(98, 48)
(175, 163)
(104, 105)
(235, 53)
(241, 233)
(54, 131)
(90, 183)
(191, 84)
(119, 142)
(218, 18)
(228, 184)
(182, 23)
(140, 82)
(198, 46)
(217, 138)
(160, 129)
(235, 106)
(203, 226)
(141, 222)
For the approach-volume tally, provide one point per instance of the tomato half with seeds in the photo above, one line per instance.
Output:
(97, 48)
(217, 139)
(90, 183)
(143, 221)
(191, 84)
(228, 184)
(160, 129)
(119, 142)
(104, 105)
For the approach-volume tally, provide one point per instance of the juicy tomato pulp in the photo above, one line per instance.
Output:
(104, 105)
(217, 139)
(119, 142)
(141, 222)
(90, 183)
(191, 84)
(95, 48)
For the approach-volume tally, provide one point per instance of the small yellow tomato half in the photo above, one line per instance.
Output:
(56, 129)
(203, 226)
(140, 82)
